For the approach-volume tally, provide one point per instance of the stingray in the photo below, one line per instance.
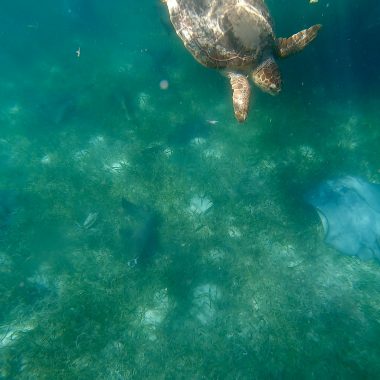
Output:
(349, 209)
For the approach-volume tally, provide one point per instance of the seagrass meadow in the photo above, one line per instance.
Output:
(145, 233)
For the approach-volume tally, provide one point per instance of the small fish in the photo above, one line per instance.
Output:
(33, 26)
(91, 219)
(89, 222)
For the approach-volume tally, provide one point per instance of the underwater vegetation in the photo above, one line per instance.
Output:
(145, 234)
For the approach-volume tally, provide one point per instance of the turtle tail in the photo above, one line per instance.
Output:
(297, 42)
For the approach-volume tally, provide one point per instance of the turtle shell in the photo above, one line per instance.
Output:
(224, 33)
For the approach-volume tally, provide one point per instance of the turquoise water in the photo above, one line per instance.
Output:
(100, 166)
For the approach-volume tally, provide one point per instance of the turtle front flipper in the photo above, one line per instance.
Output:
(241, 93)
(297, 42)
(267, 76)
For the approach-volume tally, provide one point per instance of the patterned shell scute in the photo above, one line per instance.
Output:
(223, 33)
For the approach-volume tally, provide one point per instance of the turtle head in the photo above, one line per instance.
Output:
(267, 76)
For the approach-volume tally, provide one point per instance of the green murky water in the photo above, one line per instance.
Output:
(99, 166)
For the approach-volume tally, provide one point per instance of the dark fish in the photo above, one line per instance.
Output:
(163, 60)
(143, 237)
(7, 207)
(80, 12)
(65, 111)
(5, 156)
(165, 22)
(164, 19)
(127, 103)
(63, 107)
(184, 132)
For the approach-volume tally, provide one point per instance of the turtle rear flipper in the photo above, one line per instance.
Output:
(297, 42)
(241, 93)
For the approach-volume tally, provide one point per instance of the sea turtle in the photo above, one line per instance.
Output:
(237, 37)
